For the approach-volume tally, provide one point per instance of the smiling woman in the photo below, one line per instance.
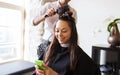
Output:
(64, 56)
(62, 32)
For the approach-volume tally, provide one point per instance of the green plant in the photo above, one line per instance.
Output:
(113, 23)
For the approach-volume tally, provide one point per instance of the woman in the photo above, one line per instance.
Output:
(64, 56)
(47, 14)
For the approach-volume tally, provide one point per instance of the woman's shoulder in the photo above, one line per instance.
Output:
(81, 51)
(84, 56)
(86, 62)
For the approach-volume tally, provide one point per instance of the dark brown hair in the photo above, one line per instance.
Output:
(55, 45)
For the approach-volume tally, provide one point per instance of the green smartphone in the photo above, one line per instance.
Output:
(39, 64)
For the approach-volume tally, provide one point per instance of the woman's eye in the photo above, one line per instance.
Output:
(64, 31)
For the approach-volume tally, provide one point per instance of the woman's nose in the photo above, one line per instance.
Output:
(60, 33)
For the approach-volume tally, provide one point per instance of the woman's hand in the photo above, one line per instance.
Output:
(38, 71)
(47, 71)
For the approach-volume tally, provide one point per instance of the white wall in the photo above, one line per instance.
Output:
(93, 17)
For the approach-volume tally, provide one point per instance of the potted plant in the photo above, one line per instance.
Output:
(114, 37)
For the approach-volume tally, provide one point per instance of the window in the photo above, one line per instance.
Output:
(11, 32)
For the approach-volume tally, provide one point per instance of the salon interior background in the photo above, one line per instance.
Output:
(93, 17)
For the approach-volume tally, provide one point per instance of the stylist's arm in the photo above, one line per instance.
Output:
(47, 71)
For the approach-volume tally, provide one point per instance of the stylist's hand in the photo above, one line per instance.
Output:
(47, 71)
(50, 12)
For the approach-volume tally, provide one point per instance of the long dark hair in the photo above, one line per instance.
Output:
(73, 45)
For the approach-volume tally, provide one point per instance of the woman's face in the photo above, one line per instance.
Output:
(62, 32)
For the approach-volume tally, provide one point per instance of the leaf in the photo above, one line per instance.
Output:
(117, 19)
(109, 26)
